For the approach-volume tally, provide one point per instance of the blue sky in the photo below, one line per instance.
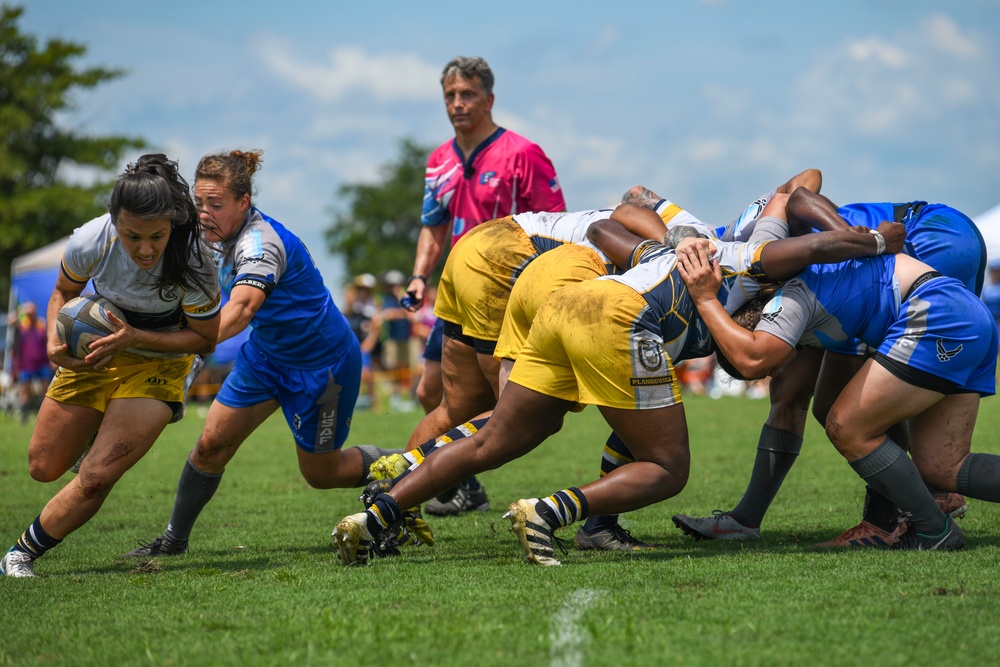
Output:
(709, 103)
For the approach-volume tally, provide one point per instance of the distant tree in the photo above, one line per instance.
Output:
(379, 226)
(37, 205)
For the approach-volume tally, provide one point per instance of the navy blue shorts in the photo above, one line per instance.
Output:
(432, 352)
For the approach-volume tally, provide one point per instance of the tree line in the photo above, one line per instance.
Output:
(374, 225)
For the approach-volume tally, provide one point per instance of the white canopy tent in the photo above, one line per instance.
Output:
(32, 278)
(989, 227)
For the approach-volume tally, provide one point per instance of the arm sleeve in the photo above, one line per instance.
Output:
(538, 187)
(259, 260)
(434, 213)
(82, 253)
(787, 315)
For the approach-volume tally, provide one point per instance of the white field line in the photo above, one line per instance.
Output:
(567, 639)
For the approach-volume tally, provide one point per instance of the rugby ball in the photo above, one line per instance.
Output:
(83, 320)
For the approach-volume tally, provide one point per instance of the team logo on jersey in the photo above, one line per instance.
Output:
(489, 177)
(650, 355)
(253, 247)
(946, 355)
(771, 316)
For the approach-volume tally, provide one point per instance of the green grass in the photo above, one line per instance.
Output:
(260, 585)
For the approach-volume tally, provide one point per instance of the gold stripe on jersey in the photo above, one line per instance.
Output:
(72, 276)
(195, 311)
(668, 212)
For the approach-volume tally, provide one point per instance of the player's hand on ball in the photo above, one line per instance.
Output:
(60, 356)
(103, 350)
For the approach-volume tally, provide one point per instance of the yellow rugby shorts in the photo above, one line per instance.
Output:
(129, 376)
(478, 276)
(561, 266)
(589, 344)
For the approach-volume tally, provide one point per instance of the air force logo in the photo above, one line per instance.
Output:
(946, 355)
(772, 315)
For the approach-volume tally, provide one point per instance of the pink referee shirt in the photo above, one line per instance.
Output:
(506, 174)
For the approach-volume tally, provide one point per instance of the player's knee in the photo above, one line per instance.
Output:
(318, 481)
(671, 479)
(209, 454)
(428, 394)
(838, 429)
(790, 390)
(95, 485)
(43, 470)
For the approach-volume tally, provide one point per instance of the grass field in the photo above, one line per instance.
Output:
(260, 585)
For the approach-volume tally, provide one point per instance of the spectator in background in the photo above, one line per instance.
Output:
(423, 323)
(485, 172)
(695, 375)
(31, 358)
(396, 348)
(365, 319)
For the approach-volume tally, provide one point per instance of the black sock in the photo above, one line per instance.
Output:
(616, 454)
(194, 489)
(890, 471)
(979, 477)
(35, 541)
(880, 511)
(777, 450)
(383, 513)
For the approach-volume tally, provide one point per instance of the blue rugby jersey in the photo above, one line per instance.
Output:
(298, 324)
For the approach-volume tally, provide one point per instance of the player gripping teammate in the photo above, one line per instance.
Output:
(301, 355)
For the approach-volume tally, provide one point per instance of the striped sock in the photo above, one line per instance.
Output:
(35, 541)
(417, 455)
(616, 454)
(457, 433)
(563, 507)
(383, 513)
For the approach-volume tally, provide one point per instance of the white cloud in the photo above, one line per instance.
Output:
(874, 52)
(882, 86)
(349, 70)
(943, 33)
(597, 162)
